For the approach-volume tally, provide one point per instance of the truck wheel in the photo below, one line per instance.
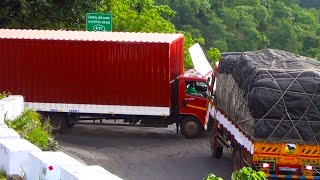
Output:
(58, 122)
(237, 160)
(191, 127)
(216, 148)
(71, 121)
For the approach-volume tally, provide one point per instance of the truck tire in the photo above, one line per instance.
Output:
(71, 120)
(237, 160)
(216, 150)
(216, 147)
(58, 122)
(191, 127)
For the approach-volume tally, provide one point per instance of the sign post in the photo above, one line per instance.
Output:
(98, 22)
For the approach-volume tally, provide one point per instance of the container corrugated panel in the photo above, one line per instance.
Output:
(129, 69)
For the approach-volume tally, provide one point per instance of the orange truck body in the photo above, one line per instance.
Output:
(281, 160)
(276, 159)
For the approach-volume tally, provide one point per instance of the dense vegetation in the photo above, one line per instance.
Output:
(240, 25)
(229, 25)
(30, 127)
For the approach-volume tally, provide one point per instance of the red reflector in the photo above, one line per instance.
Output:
(309, 168)
(50, 168)
(265, 165)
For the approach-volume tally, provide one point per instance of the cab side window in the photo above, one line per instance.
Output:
(196, 88)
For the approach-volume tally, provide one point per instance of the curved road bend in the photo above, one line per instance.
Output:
(135, 153)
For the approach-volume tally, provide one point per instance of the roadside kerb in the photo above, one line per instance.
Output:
(14, 155)
(8, 133)
(47, 165)
(85, 172)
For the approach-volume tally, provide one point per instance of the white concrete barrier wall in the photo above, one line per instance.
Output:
(47, 165)
(14, 155)
(8, 133)
(3, 126)
(2, 113)
(86, 173)
(12, 106)
(18, 156)
(18, 105)
(7, 106)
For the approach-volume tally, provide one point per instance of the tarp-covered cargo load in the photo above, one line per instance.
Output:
(271, 94)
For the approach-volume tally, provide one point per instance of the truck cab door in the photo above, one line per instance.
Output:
(193, 103)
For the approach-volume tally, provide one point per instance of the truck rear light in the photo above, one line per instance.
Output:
(308, 167)
(265, 165)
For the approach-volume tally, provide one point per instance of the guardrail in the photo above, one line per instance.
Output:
(19, 156)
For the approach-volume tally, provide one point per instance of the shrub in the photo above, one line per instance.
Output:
(3, 175)
(249, 174)
(212, 177)
(245, 173)
(30, 127)
(24, 123)
(4, 94)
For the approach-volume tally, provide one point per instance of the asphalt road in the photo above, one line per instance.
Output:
(144, 153)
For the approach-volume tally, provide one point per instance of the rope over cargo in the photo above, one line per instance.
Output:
(272, 95)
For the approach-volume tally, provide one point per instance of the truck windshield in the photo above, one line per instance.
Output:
(195, 88)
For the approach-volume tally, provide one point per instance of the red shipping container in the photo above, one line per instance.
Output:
(91, 72)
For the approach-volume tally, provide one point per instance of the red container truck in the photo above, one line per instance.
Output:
(74, 76)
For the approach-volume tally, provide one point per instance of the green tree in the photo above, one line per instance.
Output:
(128, 15)
(244, 25)
(145, 16)
(233, 25)
(214, 55)
(38, 14)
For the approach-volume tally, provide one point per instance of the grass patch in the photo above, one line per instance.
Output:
(3, 175)
(30, 127)
(4, 94)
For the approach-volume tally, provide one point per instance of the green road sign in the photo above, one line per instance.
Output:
(99, 22)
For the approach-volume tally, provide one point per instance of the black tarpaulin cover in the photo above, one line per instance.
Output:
(271, 94)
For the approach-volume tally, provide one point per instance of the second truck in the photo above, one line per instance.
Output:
(266, 113)
(74, 76)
